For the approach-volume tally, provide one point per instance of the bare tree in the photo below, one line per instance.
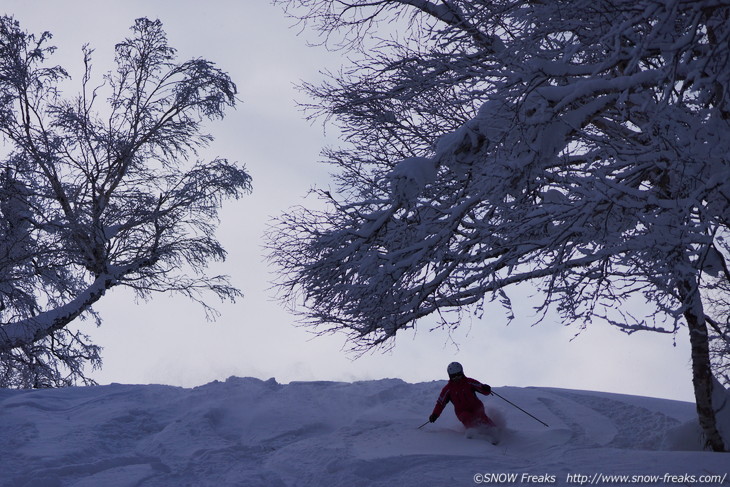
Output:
(581, 146)
(97, 192)
(717, 297)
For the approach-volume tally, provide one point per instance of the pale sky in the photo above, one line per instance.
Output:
(168, 341)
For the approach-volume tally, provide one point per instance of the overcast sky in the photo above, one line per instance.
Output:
(168, 340)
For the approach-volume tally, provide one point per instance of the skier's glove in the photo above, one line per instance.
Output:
(487, 389)
(433, 418)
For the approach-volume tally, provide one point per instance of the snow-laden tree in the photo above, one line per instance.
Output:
(97, 191)
(582, 146)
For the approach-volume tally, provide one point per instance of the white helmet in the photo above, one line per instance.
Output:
(454, 368)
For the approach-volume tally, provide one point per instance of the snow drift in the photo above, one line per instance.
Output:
(249, 432)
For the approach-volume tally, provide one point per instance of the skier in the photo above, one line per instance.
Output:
(461, 391)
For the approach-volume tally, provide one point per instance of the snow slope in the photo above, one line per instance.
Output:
(248, 432)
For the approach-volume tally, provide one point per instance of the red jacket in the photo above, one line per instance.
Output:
(461, 391)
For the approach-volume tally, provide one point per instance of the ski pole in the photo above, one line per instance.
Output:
(515, 405)
(424, 424)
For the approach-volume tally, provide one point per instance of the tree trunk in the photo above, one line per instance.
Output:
(701, 369)
(29, 330)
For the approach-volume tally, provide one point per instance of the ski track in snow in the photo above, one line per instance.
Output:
(248, 432)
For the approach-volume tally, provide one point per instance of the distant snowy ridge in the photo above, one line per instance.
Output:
(249, 432)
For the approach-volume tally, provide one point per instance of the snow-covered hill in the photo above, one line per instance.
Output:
(248, 432)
